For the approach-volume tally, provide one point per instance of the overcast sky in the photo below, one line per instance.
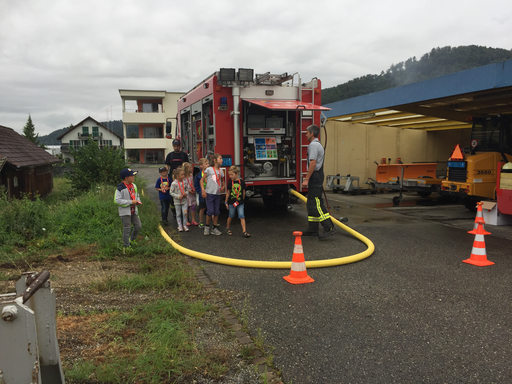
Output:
(63, 60)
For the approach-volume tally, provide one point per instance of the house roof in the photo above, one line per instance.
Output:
(20, 151)
(80, 123)
(446, 102)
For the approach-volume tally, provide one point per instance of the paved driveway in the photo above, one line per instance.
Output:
(410, 313)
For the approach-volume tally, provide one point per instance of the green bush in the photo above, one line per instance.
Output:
(94, 165)
(22, 220)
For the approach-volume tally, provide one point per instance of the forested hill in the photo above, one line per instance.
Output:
(51, 139)
(438, 62)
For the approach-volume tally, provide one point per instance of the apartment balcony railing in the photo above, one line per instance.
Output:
(65, 148)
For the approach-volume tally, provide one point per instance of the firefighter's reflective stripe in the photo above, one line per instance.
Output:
(322, 216)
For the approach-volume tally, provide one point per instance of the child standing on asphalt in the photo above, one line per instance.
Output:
(235, 199)
(127, 198)
(211, 193)
(201, 203)
(179, 191)
(191, 197)
(163, 185)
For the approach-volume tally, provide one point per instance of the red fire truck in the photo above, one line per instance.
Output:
(255, 122)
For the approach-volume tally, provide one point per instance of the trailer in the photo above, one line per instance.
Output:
(256, 122)
(414, 177)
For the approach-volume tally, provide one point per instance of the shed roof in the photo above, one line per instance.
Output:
(445, 102)
(20, 151)
(83, 121)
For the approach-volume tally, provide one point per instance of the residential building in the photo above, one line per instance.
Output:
(145, 117)
(25, 168)
(78, 135)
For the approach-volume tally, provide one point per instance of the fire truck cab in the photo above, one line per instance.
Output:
(257, 123)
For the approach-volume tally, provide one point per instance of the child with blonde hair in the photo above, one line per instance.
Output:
(201, 203)
(179, 192)
(214, 180)
(191, 197)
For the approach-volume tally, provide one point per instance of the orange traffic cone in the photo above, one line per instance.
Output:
(478, 253)
(479, 213)
(298, 273)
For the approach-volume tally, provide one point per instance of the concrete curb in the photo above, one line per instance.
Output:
(245, 340)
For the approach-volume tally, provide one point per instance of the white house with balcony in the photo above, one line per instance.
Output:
(78, 135)
(145, 115)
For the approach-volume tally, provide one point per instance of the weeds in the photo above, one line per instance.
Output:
(172, 279)
(150, 344)
(36, 227)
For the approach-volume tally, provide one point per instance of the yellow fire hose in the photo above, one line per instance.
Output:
(280, 264)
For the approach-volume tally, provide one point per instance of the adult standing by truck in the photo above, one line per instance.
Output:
(175, 158)
(314, 180)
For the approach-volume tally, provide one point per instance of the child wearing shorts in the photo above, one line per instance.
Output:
(191, 197)
(235, 199)
(211, 193)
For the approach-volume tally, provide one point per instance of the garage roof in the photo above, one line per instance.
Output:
(442, 103)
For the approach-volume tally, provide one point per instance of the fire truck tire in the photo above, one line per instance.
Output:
(424, 194)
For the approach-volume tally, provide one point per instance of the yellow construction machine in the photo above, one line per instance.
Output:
(472, 172)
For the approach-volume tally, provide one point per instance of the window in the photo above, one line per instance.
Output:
(74, 143)
(153, 132)
(85, 130)
(150, 107)
(132, 131)
(154, 156)
(95, 132)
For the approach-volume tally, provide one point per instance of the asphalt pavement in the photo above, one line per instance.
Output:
(412, 312)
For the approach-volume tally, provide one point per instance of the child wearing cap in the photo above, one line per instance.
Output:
(163, 185)
(127, 198)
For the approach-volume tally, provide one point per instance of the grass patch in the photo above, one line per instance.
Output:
(170, 275)
(33, 229)
(150, 344)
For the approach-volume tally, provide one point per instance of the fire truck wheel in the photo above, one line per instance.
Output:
(424, 194)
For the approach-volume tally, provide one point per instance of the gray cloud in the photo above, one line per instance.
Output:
(62, 61)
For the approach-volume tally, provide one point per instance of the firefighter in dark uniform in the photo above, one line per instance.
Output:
(314, 180)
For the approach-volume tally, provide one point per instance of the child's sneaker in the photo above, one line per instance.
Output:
(206, 231)
(185, 228)
(180, 229)
(201, 225)
(195, 223)
(216, 232)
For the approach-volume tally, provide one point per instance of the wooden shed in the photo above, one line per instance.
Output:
(25, 168)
